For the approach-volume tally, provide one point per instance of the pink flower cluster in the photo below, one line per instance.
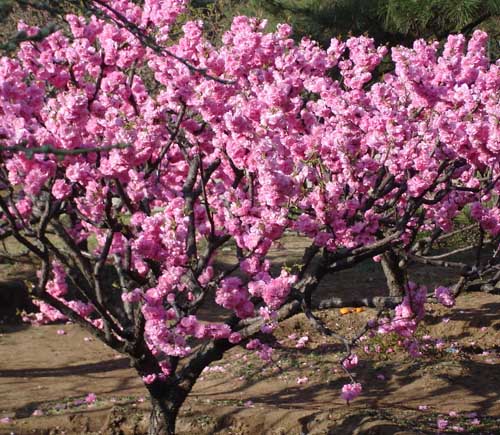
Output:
(264, 351)
(351, 391)
(273, 291)
(407, 314)
(444, 296)
(232, 295)
(57, 287)
(351, 361)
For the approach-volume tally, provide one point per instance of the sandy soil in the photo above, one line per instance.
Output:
(42, 370)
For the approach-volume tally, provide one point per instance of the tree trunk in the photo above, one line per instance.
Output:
(162, 418)
(395, 276)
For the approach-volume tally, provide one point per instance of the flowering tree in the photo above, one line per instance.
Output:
(128, 162)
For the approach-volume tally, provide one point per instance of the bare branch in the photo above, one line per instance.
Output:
(49, 149)
(147, 41)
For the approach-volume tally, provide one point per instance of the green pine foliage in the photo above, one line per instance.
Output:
(46, 14)
(388, 21)
(434, 18)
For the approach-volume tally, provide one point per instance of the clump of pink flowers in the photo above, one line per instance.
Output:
(350, 361)
(444, 296)
(351, 391)
(90, 398)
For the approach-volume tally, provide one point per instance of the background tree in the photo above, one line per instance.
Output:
(387, 21)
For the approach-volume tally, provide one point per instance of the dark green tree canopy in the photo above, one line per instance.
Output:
(388, 21)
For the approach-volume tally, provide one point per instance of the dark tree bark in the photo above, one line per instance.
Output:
(162, 418)
(395, 275)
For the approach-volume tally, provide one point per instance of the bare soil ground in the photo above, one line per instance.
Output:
(456, 379)
(41, 370)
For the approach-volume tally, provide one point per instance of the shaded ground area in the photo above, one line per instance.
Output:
(14, 296)
(50, 373)
(458, 373)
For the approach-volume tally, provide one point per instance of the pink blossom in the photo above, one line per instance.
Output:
(283, 147)
(302, 341)
(91, 398)
(149, 379)
(61, 189)
(267, 314)
(134, 296)
(253, 344)
(234, 338)
(275, 291)
(267, 328)
(302, 380)
(351, 361)
(407, 314)
(444, 296)
(265, 352)
(442, 423)
(350, 391)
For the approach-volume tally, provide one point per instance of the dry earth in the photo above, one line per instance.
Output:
(458, 373)
(41, 370)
